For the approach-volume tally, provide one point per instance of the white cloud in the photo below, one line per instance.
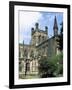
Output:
(26, 21)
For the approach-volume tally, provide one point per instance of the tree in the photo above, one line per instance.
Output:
(57, 62)
(43, 67)
(51, 67)
(46, 68)
(59, 39)
(61, 31)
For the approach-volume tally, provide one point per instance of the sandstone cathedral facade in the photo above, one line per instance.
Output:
(40, 45)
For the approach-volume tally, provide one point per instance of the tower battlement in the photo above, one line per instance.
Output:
(37, 29)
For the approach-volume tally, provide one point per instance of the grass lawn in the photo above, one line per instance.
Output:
(31, 76)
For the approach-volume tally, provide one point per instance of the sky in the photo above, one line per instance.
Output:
(27, 20)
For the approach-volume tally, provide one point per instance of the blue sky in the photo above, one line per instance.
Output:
(27, 20)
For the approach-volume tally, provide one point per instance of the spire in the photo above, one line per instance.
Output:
(46, 29)
(32, 30)
(23, 48)
(55, 24)
(23, 42)
(55, 28)
(37, 26)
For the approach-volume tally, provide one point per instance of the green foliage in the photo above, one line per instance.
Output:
(61, 37)
(43, 67)
(57, 62)
(51, 67)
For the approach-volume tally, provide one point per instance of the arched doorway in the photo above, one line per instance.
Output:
(27, 66)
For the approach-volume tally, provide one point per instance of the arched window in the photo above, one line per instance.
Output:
(32, 54)
(39, 39)
(27, 66)
(43, 38)
(19, 54)
(25, 53)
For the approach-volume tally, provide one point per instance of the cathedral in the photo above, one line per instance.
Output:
(40, 45)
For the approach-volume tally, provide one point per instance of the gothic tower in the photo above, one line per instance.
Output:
(55, 27)
(39, 35)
